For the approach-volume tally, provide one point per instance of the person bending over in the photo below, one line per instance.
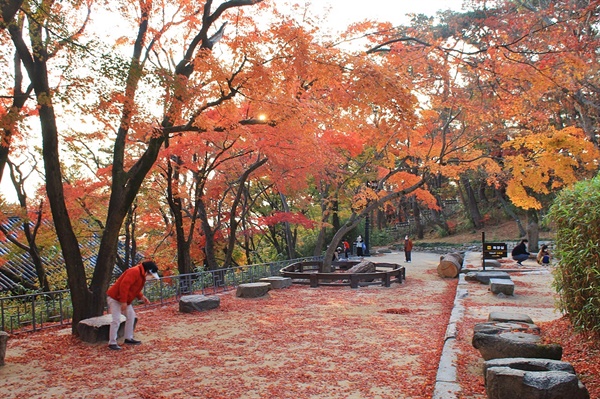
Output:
(121, 294)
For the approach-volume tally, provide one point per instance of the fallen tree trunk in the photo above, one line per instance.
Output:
(450, 265)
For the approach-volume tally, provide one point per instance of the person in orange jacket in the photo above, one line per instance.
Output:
(408, 246)
(121, 294)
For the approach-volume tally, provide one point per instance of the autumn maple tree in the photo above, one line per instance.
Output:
(130, 163)
(205, 128)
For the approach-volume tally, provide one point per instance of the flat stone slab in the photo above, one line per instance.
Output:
(277, 282)
(532, 379)
(485, 277)
(97, 329)
(509, 316)
(514, 344)
(252, 290)
(3, 342)
(491, 263)
(493, 327)
(198, 303)
(502, 286)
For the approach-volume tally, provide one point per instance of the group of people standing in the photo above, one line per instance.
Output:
(359, 245)
(361, 249)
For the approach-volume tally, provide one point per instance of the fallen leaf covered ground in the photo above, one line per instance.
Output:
(300, 342)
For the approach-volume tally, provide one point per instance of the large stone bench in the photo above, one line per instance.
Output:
(3, 343)
(277, 282)
(514, 344)
(198, 303)
(252, 290)
(96, 329)
(532, 379)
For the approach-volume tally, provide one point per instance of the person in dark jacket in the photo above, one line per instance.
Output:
(519, 252)
(121, 294)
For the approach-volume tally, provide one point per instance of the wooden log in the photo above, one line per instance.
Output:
(450, 265)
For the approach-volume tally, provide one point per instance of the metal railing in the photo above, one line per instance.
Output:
(36, 311)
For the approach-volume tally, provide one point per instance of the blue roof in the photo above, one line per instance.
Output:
(18, 262)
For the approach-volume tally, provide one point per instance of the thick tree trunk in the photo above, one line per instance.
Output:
(509, 212)
(418, 223)
(209, 235)
(472, 207)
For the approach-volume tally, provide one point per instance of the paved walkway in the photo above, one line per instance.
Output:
(533, 296)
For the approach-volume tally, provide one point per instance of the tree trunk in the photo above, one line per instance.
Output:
(533, 231)
(418, 223)
(509, 212)
(355, 218)
(209, 235)
(450, 265)
(472, 207)
(291, 250)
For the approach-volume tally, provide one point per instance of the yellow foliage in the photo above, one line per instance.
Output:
(540, 163)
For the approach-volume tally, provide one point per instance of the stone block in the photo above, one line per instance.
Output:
(493, 327)
(198, 303)
(492, 263)
(252, 290)
(485, 277)
(502, 286)
(277, 282)
(532, 379)
(3, 342)
(97, 329)
(509, 316)
(514, 344)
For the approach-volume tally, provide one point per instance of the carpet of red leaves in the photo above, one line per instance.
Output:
(533, 296)
(300, 342)
(581, 350)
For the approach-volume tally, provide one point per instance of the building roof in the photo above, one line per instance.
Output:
(16, 262)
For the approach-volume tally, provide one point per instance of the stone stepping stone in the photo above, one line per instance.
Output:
(277, 282)
(509, 316)
(252, 290)
(493, 327)
(198, 303)
(514, 344)
(502, 286)
(532, 379)
(97, 329)
(485, 277)
(491, 263)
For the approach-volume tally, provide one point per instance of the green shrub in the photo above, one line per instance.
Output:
(576, 216)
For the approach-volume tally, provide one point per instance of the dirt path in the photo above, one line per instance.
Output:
(300, 342)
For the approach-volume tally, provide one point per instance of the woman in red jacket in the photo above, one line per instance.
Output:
(121, 294)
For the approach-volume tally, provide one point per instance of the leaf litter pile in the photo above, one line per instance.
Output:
(299, 342)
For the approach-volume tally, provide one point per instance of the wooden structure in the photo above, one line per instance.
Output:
(311, 273)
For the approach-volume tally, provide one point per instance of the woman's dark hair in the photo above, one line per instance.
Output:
(150, 266)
